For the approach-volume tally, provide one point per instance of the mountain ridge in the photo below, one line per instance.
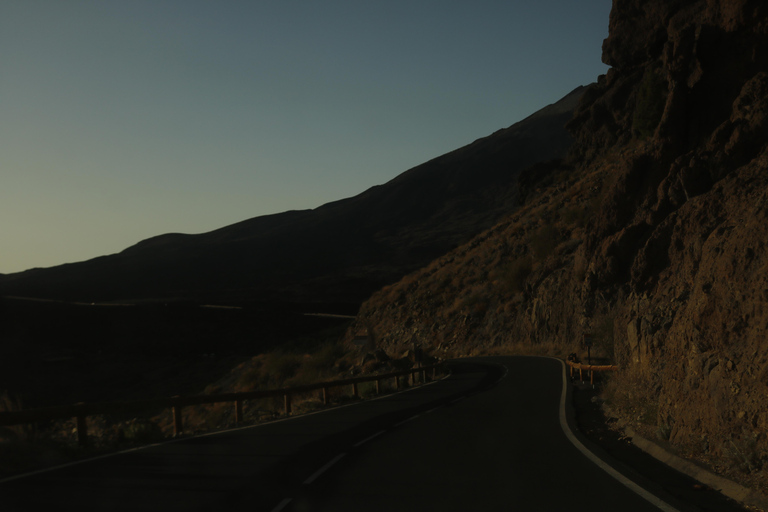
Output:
(339, 252)
(648, 241)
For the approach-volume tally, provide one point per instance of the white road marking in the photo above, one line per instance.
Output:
(457, 399)
(323, 469)
(651, 498)
(280, 506)
(377, 434)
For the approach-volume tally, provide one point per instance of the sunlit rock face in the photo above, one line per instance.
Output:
(650, 238)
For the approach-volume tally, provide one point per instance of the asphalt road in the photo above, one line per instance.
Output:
(489, 437)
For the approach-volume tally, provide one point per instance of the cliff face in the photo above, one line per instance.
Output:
(650, 239)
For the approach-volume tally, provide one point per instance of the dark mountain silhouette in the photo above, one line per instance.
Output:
(338, 253)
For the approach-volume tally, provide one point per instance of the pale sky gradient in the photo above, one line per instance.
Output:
(125, 119)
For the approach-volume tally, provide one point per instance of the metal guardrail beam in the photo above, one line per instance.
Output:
(81, 411)
(591, 368)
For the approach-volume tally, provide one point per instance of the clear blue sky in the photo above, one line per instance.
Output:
(125, 119)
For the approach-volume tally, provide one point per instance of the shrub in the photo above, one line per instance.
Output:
(366, 389)
(142, 431)
(281, 366)
(513, 274)
(326, 357)
(544, 241)
(744, 453)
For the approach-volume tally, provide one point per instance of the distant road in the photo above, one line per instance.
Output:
(487, 438)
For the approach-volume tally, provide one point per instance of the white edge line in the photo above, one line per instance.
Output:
(374, 436)
(280, 506)
(651, 498)
(323, 469)
(226, 431)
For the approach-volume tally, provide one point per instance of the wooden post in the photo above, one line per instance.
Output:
(82, 430)
(592, 376)
(354, 389)
(287, 404)
(178, 425)
(238, 411)
(325, 395)
(378, 386)
(397, 382)
(581, 376)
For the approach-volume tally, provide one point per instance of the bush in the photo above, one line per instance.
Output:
(326, 357)
(142, 431)
(745, 454)
(366, 389)
(513, 274)
(544, 241)
(281, 366)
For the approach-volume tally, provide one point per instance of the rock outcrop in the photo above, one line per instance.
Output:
(650, 238)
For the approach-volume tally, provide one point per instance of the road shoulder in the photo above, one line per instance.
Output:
(680, 478)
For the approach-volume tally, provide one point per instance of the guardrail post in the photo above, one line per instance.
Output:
(378, 386)
(238, 411)
(354, 389)
(397, 382)
(178, 423)
(592, 376)
(325, 395)
(82, 429)
(581, 376)
(287, 404)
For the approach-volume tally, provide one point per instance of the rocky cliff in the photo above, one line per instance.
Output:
(650, 238)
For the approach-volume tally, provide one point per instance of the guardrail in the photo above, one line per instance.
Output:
(81, 411)
(591, 368)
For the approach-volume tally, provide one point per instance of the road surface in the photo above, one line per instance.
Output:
(489, 437)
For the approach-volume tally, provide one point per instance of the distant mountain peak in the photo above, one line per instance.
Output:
(339, 252)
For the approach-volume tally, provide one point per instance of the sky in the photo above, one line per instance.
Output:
(125, 119)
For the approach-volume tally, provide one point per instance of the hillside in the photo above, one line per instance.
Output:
(649, 238)
(335, 255)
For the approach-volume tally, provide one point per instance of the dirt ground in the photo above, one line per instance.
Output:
(598, 429)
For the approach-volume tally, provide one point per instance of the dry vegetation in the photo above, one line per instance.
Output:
(467, 302)
(305, 360)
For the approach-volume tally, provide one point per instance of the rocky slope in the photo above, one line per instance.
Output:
(335, 255)
(650, 238)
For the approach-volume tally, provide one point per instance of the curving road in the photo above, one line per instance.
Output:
(492, 436)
